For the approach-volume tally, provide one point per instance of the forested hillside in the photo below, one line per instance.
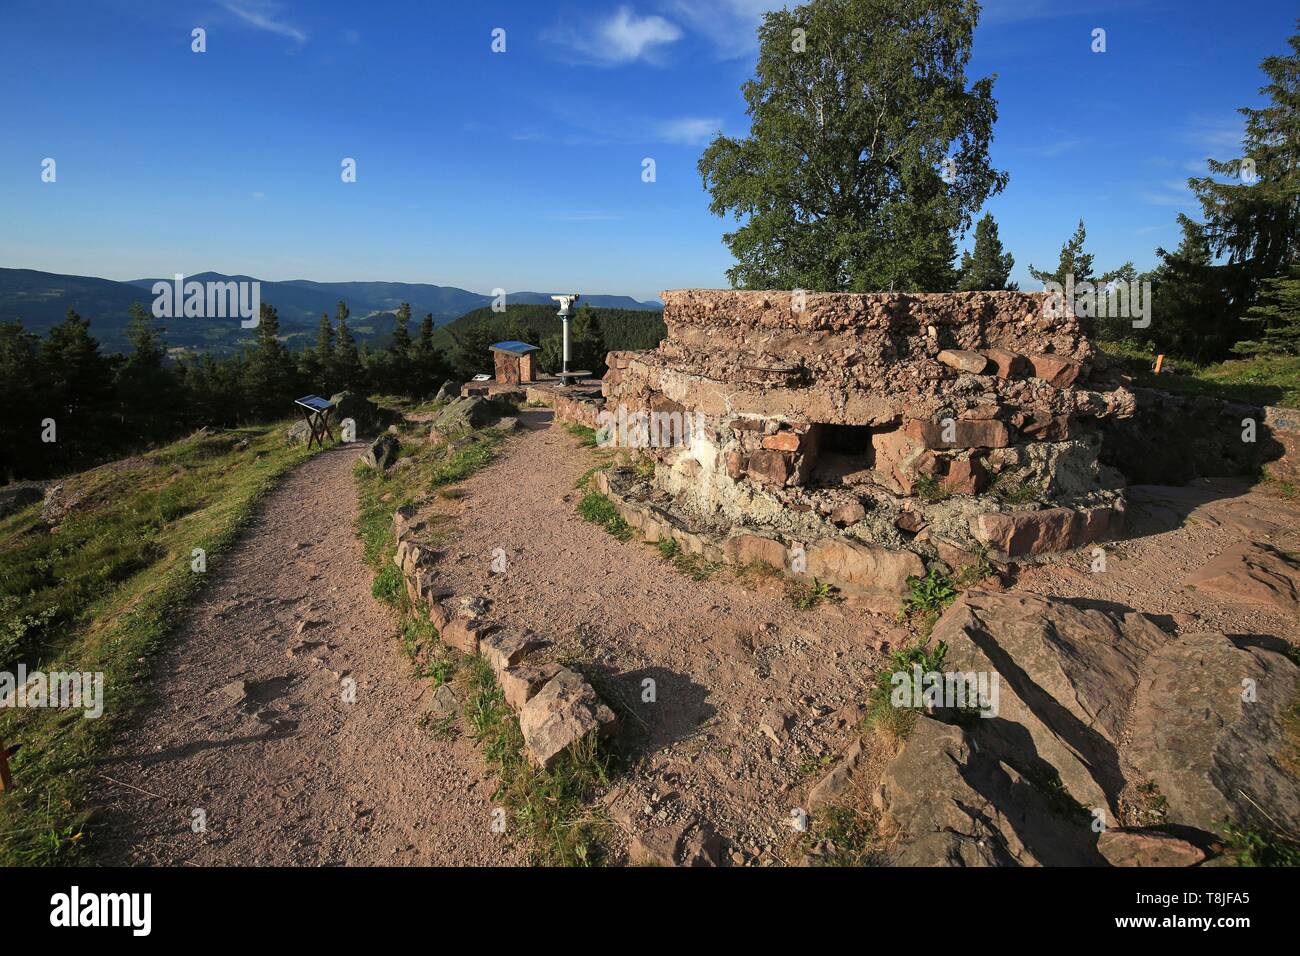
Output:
(593, 332)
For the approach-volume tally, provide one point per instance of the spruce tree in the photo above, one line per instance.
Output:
(1277, 313)
(347, 358)
(271, 376)
(1073, 261)
(986, 267)
(1254, 219)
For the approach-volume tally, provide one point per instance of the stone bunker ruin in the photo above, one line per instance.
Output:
(859, 438)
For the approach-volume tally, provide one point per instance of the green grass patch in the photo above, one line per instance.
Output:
(1264, 380)
(598, 509)
(806, 595)
(931, 489)
(894, 723)
(844, 836)
(1250, 845)
(103, 595)
(694, 566)
(551, 807)
(587, 436)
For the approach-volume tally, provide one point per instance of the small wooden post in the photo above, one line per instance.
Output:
(6, 778)
(1160, 361)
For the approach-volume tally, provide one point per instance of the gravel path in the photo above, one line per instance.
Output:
(251, 726)
(726, 657)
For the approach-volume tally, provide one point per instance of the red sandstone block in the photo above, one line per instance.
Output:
(1025, 533)
(1008, 364)
(1055, 370)
(982, 433)
(782, 441)
(769, 466)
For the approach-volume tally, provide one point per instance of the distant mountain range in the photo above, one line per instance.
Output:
(41, 299)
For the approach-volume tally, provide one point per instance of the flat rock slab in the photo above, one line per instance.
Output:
(1252, 574)
(1208, 722)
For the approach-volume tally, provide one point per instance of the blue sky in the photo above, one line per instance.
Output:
(522, 170)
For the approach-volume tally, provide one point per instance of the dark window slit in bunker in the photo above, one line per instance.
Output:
(840, 450)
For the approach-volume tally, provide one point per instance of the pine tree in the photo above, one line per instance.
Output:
(80, 391)
(1254, 220)
(402, 329)
(347, 358)
(867, 150)
(271, 377)
(24, 393)
(986, 267)
(321, 363)
(1277, 312)
(1073, 261)
(146, 390)
(1192, 316)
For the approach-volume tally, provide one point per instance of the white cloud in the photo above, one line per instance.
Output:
(622, 37)
(688, 130)
(731, 25)
(264, 16)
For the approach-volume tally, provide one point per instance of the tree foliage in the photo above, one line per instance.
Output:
(867, 152)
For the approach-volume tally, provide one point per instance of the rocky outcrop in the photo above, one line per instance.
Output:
(461, 416)
(1208, 725)
(1252, 574)
(1091, 704)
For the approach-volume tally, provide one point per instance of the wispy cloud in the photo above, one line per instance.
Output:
(622, 37)
(264, 16)
(687, 130)
(1058, 147)
(1171, 192)
(731, 25)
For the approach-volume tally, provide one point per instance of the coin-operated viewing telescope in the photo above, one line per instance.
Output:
(566, 303)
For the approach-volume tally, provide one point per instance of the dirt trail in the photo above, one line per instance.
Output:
(722, 655)
(284, 769)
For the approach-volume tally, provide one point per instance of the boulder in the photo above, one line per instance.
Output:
(382, 452)
(368, 416)
(943, 803)
(462, 416)
(1252, 574)
(449, 391)
(848, 514)
(769, 466)
(1121, 847)
(1045, 531)
(1054, 370)
(16, 496)
(298, 433)
(834, 787)
(966, 476)
(463, 633)
(744, 549)
(965, 433)
(1208, 724)
(1007, 364)
(560, 714)
(504, 649)
(522, 681)
(444, 703)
